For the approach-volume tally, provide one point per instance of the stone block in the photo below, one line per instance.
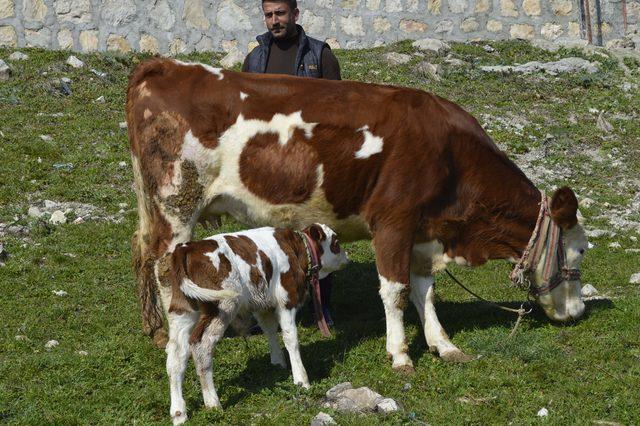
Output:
(411, 26)
(89, 40)
(194, 15)
(381, 25)
(8, 36)
(118, 43)
(34, 10)
(65, 39)
(522, 31)
(148, 43)
(7, 8)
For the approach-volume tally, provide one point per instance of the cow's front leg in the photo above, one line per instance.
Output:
(423, 297)
(393, 258)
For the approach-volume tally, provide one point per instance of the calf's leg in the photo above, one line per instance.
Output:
(269, 324)
(287, 319)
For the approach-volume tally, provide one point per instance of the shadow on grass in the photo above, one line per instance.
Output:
(358, 314)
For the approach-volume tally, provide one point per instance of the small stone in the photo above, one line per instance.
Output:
(431, 45)
(123, 205)
(5, 71)
(387, 405)
(394, 58)
(603, 124)
(48, 204)
(406, 387)
(82, 353)
(588, 291)
(99, 73)
(78, 221)
(488, 48)
(543, 412)
(122, 125)
(58, 218)
(598, 233)
(60, 293)
(635, 278)
(21, 338)
(75, 62)
(615, 244)
(122, 164)
(586, 202)
(322, 419)
(18, 56)
(34, 212)
(51, 344)
(427, 69)
(101, 100)
(66, 80)
(46, 138)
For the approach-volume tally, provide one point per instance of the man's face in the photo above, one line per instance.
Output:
(280, 19)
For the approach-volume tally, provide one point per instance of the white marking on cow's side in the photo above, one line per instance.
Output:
(283, 125)
(216, 71)
(147, 114)
(143, 92)
(205, 159)
(243, 96)
(172, 187)
(391, 293)
(372, 144)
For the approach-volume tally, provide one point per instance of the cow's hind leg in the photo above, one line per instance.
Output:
(180, 326)
(268, 322)
(393, 257)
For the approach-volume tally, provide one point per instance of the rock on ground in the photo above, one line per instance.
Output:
(394, 58)
(431, 45)
(5, 71)
(322, 419)
(75, 62)
(51, 344)
(345, 398)
(588, 291)
(18, 56)
(635, 278)
(564, 65)
(58, 218)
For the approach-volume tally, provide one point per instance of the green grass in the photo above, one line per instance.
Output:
(581, 372)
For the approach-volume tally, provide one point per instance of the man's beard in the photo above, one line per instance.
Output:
(286, 31)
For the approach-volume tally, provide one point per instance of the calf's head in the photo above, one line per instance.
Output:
(332, 257)
(563, 302)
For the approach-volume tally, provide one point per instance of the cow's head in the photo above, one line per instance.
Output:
(332, 257)
(563, 301)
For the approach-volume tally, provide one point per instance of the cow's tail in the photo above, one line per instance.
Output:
(180, 279)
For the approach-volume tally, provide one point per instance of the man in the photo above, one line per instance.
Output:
(286, 49)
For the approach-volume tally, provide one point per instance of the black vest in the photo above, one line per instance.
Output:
(308, 58)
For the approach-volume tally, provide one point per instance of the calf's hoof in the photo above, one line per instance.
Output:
(457, 356)
(179, 417)
(160, 338)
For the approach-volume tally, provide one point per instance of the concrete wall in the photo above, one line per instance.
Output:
(173, 26)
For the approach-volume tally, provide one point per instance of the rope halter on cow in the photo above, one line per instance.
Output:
(547, 241)
(313, 279)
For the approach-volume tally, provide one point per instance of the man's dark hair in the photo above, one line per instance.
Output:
(293, 4)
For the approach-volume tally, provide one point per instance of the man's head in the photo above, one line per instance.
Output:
(280, 16)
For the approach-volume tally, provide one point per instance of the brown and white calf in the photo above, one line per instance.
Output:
(408, 169)
(206, 285)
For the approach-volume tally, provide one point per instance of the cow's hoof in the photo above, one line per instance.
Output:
(456, 356)
(179, 417)
(405, 369)
(160, 338)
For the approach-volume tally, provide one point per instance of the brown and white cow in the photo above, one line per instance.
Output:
(408, 169)
(206, 285)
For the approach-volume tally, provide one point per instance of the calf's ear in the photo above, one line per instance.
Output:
(316, 233)
(564, 208)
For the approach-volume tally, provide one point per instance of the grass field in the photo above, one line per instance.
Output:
(104, 371)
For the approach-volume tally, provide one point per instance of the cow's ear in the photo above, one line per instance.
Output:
(316, 233)
(564, 208)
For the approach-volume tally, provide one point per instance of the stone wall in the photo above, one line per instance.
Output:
(174, 26)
